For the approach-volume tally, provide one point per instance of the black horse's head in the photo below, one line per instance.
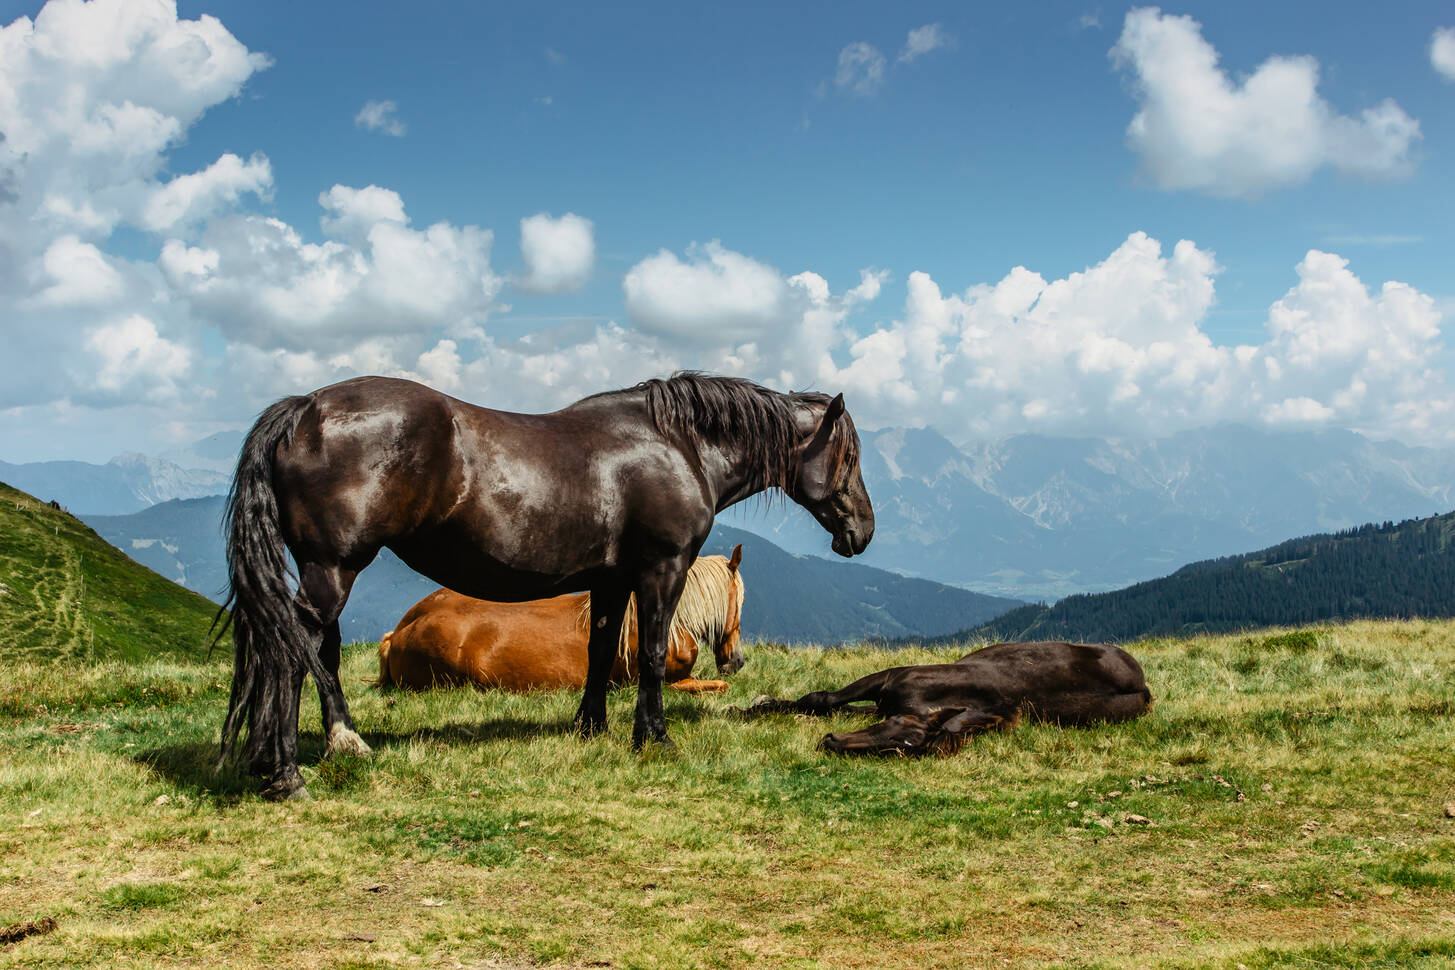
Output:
(940, 732)
(829, 484)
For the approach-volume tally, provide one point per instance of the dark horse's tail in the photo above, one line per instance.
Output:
(269, 641)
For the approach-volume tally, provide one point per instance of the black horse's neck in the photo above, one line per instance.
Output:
(748, 438)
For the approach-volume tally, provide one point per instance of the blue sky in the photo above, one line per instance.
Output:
(712, 155)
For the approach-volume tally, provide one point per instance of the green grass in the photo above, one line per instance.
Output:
(1294, 783)
(67, 593)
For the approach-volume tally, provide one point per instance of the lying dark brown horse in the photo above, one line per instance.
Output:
(450, 639)
(614, 494)
(933, 708)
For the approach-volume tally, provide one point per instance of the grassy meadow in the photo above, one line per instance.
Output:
(1283, 805)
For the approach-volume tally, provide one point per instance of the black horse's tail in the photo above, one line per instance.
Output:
(269, 641)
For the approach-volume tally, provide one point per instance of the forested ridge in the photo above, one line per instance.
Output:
(1385, 570)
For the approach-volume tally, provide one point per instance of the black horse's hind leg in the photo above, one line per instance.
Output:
(608, 607)
(338, 725)
(326, 589)
(657, 596)
(273, 732)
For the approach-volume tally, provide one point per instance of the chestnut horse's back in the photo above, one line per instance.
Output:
(449, 639)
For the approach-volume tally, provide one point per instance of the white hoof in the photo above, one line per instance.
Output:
(343, 741)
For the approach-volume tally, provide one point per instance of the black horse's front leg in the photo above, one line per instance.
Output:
(608, 607)
(657, 599)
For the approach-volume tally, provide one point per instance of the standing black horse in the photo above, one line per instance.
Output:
(614, 494)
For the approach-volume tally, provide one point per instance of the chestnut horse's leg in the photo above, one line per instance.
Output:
(657, 595)
(608, 608)
(326, 589)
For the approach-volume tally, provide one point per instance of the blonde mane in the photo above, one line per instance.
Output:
(701, 612)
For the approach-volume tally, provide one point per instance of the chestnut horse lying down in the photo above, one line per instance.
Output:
(447, 638)
(934, 708)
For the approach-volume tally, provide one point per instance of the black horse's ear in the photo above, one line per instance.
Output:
(835, 410)
(737, 558)
(831, 415)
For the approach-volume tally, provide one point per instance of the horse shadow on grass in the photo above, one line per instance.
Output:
(511, 729)
(192, 765)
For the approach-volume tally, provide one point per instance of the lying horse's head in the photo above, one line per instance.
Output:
(940, 732)
(829, 484)
(725, 649)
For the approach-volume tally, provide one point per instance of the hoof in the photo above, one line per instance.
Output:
(654, 746)
(342, 741)
(589, 728)
(286, 786)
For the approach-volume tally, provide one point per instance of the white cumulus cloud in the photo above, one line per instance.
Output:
(559, 253)
(77, 275)
(135, 361)
(352, 212)
(380, 116)
(1196, 128)
(259, 282)
(1120, 349)
(190, 198)
(93, 96)
(922, 40)
(1442, 52)
(716, 296)
(861, 69)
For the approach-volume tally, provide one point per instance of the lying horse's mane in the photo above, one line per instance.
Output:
(701, 612)
(703, 409)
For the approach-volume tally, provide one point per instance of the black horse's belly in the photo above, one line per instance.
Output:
(459, 562)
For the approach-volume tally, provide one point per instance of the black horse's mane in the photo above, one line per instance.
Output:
(704, 409)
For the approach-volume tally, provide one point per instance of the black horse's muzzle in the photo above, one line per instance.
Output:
(852, 541)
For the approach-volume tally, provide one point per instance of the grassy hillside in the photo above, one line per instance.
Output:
(67, 593)
(1391, 571)
(1292, 785)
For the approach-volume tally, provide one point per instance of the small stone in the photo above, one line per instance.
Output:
(162, 800)
(1072, 804)
(1450, 809)
(1137, 820)
(1266, 787)
(1113, 794)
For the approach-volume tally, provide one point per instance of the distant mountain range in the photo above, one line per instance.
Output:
(1397, 571)
(788, 598)
(1041, 517)
(127, 483)
(1028, 516)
